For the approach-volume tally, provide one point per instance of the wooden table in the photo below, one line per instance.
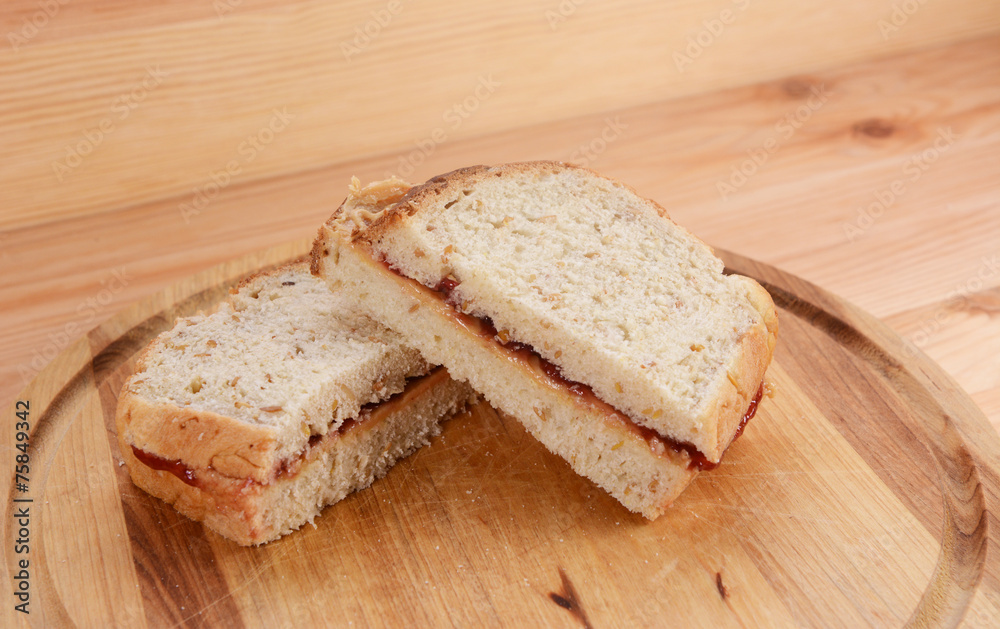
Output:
(855, 145)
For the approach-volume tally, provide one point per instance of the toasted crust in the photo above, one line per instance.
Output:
(747, 369)
(262, 275)
(200, 438)
(225, 510)
(368, 220)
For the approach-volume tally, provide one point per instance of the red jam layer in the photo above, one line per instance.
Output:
(525, 354)
(698, 460)
(176, 468)
(289, 467)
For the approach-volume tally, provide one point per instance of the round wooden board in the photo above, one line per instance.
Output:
(864, 493)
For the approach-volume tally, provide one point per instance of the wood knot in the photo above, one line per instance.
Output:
(569, 600)
(561, 601)
(799, 87)
(874, 128)
(719, 585)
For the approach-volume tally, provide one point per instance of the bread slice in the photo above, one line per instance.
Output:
(255, 417)
(570, 303)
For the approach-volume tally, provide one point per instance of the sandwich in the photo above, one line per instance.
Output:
(570, 303)
(254, 418)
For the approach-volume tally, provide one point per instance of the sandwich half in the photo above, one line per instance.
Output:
(570, 303)
(254, 418)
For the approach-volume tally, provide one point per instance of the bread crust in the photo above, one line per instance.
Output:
(262, 274)
(394, 209)
(747, 368)
(226, 509)
(199, 438)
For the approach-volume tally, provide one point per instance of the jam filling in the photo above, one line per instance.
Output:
(176, 468)
(288, 467)
(698, 460)
(525, 354)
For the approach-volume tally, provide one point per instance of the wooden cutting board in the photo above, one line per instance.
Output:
(863, 493)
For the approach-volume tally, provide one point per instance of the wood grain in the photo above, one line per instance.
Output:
(928, 247)
(109, 104)
(74, 254)
(864, 493)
